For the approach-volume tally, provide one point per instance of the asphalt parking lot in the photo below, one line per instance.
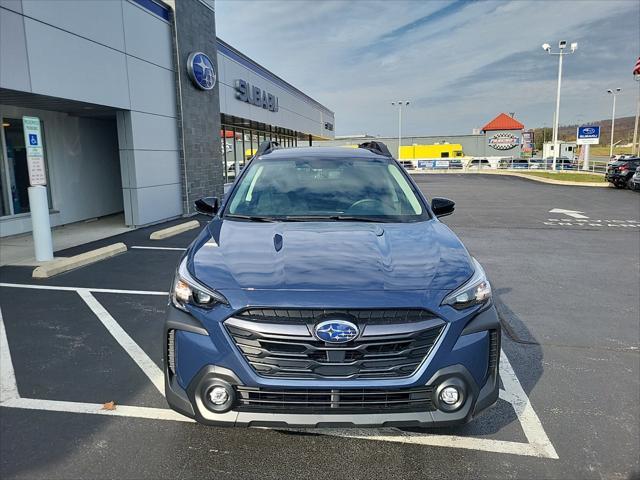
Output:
(567, 291)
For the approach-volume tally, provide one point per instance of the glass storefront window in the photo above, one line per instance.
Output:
(14, 171)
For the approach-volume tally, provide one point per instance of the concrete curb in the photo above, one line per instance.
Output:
(528, 177)
(61, 265)
(175, 230)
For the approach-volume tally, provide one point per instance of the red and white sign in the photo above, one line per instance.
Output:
(504, 141)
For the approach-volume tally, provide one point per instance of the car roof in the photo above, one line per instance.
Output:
(322, 152)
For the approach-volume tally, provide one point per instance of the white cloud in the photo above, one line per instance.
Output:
(460, 63)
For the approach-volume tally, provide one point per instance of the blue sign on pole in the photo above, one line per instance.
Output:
(588, 135)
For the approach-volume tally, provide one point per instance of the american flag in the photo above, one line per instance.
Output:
(636, 69)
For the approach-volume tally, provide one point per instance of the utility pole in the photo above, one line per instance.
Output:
(547, 48)
(636, 140)
(400, 103)
(613, 117)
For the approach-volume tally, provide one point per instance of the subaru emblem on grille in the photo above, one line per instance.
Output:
(336, 331)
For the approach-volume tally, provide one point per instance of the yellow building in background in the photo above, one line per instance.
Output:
(443, 150)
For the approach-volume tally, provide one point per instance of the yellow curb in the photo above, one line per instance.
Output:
(61, 265)
(530, 177)
(175, 230)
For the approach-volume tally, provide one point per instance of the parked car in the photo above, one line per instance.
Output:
(536, 163)
(479, 164)
(562, 163)
(635, 180)
(455, 163)
(407, 164)
(516, 163)
(302, 304)
(620, 172)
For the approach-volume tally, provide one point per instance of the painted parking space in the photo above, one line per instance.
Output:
(535, 442)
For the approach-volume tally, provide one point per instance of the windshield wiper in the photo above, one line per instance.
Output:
(251, 218)
(339, 218)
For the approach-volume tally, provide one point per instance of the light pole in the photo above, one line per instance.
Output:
(636, 142)
(613, 117)
(400, 104)
(562, 44)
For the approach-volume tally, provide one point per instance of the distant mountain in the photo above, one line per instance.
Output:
(623, 131)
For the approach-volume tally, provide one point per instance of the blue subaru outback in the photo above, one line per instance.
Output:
(326, 292)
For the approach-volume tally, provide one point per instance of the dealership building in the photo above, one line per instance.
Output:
(142, 110)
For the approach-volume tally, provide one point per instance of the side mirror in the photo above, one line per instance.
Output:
(442, 206)
(207, 205)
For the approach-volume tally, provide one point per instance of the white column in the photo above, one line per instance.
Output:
(585, 162)
(39, 206)
(557, 115)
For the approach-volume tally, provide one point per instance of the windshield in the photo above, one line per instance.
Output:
(299, 189)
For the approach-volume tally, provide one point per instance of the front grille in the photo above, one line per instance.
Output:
(289, 350)
(371, 317)
(334, 401)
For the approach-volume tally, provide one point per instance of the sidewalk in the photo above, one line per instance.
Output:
(18, 249)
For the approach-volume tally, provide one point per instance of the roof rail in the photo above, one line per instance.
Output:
(376, 147)
(267, 147)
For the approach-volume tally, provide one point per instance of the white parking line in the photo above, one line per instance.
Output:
(591, 223)
(529, 420)
(75, 289)
(137, 247)
(138, 355)
(537, 445)
(96, 409)
(8, 386)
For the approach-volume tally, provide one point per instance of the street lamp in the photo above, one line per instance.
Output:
(562, 44)
(400, 104)
(613, 116)
(636, 143)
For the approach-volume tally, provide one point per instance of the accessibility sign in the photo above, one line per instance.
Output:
(588, 135)
(35, 151)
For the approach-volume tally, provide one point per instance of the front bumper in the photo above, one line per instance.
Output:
(190, 400)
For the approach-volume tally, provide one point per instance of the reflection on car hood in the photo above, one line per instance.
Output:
(331, 256)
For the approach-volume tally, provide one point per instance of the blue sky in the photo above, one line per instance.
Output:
(459, 62)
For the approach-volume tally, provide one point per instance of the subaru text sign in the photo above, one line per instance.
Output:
(246, 92)
(589, 135)
(201, 71)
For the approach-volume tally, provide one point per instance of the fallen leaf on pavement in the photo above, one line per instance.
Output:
(109, 405)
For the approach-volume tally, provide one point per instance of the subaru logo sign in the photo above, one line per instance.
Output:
(589, 130)
(336, 331)
(201, 71)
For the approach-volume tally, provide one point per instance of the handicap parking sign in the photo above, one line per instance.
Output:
(33, 139)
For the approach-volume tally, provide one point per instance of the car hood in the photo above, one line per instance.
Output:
(330, 256)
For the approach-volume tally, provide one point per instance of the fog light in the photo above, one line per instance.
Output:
(219, 395)
(449, 395)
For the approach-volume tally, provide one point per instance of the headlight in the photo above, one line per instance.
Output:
(186, 290)
(476, 291)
